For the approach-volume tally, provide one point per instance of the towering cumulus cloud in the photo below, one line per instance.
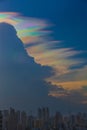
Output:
(53, 69)
(21, 79)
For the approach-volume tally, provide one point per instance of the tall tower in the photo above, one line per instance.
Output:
(43, 114)
(47, 113)
(1, 118)
(23, 120)
(39, 113)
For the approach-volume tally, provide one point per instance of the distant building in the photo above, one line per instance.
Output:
(30, 122)
(43, 113)
(12, 120)
(58, 119)
(23, 120)
(18, 117)
(5, 119)
(43, 118)
(47, 115)
(39, 113)
(1, 120)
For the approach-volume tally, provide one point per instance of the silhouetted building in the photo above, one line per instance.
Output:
(1, 120)
(39, 113)
(47, 115)
(23, 120)
(11, 120)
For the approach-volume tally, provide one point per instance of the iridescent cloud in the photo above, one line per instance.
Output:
(28, 29)
(34, 34)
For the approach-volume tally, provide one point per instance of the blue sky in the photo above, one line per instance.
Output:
(58, 34)
(69, 17)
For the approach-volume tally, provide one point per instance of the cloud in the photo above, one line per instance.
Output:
(74, 86)
(21, 79)
(61, 61)
(29, 30)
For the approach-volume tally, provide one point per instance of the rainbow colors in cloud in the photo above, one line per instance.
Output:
(32, 31)
(28, 29)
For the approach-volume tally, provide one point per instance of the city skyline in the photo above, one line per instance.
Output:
(15, 119)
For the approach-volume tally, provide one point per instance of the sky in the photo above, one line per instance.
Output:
(49, 66)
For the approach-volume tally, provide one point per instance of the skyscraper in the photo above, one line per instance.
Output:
(1, 118)
(39, 113)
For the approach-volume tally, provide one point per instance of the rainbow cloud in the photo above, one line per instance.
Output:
(33, 33)
(28, 29)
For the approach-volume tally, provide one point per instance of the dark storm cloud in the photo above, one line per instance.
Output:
(21, 79)
(22, 82)
(18, 70)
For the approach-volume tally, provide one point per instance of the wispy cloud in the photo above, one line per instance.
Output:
(28, 29)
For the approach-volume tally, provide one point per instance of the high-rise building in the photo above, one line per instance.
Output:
(1, 120)
(12, 120)
(43, 113)
(23, 120)
(5, 119)
(30, 122)
(39, 113)
(18, 116)
(58, 119)
(47, 114)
